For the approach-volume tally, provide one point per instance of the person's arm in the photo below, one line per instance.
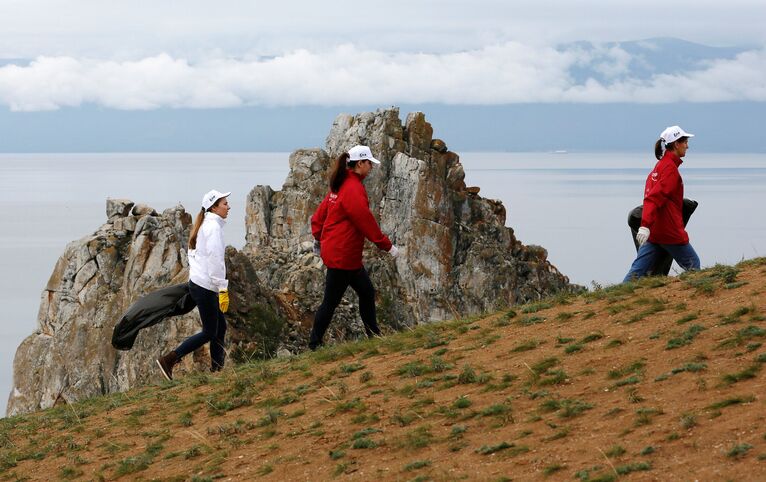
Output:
(317, 220)
(216, 250)
(357, 208)
(658, 195)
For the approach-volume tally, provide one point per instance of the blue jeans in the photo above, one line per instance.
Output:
(213, 327)
(684, 255)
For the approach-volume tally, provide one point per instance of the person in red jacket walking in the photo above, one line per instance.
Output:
(662, 224)
(340, 225)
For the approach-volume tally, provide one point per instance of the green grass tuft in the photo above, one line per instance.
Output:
(491, 449)
(687, 318)
(526, 346)
(468, 375)
(685, 338)
(462, 402)
(636, 467)
(418, 464)
(746, 374)
(364, 443)
(637, 368)
(738, 451)
(731, 401)
(615, 451)
(418, 438)
(552, 469)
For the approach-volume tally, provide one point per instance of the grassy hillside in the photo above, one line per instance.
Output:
(660, 379)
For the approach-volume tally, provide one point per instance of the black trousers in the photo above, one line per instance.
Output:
(213, 327)
(336, 282)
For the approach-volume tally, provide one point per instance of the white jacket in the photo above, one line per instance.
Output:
(206, 263)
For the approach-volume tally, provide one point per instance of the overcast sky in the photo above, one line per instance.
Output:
(200, 54)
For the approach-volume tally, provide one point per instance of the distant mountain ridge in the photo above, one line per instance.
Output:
(721, 126)
(650, 57)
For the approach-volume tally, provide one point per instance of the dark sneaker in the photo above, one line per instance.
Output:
(166, 363)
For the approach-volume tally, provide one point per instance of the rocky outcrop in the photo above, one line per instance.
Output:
(457, 258)
(69, 356)
(97, 277)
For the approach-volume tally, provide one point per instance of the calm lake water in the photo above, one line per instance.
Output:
(573, 204)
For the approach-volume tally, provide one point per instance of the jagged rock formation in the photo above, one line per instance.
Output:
(69, 357)
(97, 277)
(457, 258)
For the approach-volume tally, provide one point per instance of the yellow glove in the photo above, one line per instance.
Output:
(223, 301)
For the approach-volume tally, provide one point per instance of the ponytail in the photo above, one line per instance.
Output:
(668, 147)
(340, 172)
(195, 229)
(198, 223)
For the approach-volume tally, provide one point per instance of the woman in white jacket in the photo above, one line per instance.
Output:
(208, 285)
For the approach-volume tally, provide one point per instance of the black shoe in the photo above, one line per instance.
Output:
(166, 363)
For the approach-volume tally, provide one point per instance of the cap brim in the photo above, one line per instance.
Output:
(225, 194)
(374, 160)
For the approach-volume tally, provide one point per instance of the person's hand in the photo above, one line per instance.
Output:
(394, 251)
(642, 236)
(317, 248)
(223, 300)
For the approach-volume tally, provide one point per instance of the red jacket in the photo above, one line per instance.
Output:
(342, 221)
(664, 201)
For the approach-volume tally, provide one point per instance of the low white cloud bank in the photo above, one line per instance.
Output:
(499, 74)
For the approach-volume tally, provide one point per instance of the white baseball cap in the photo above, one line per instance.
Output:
(211, 197)
(673, 133)
(361, 153)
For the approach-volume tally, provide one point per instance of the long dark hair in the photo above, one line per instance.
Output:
(658, 151)
(198, 224)
(340, 171)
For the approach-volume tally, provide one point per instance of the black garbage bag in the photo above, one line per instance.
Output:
(662, 265)
(149, 310)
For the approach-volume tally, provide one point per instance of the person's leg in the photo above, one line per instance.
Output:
(336, 282)
(217, 347)
(360, 282)
(644, 261)
(207, 305)
(684, 255)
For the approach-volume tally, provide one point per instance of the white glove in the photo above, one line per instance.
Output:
(394, 251)
(317, 248)
(642, 236)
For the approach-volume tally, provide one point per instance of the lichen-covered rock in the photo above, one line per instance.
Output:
(439, 146)
(70, 357)
(457, 256)
(143, 210)
(118, 208)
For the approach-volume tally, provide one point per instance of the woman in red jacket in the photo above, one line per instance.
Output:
(340, 225)
(662, 224)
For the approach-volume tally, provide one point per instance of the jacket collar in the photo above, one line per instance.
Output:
(673, 157)
(215, 217)
(354, 175)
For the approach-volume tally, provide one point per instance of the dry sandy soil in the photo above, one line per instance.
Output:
(658, 380)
